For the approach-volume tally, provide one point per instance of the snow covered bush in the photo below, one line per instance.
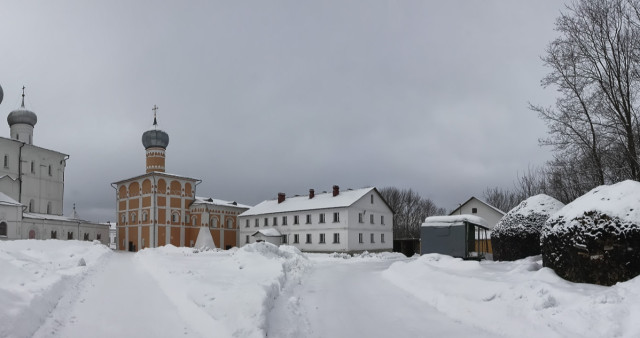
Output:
(517, 235)
(596, 238)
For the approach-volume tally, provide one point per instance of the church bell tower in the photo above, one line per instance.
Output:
(155, 142)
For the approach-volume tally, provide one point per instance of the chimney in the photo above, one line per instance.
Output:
(281, 197)
(336, 190)
(311, 193)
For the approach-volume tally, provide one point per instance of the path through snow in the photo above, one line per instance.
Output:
(117, 299)
(350, 298)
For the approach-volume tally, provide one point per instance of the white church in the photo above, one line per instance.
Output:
(32, 187)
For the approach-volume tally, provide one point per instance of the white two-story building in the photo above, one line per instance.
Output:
(338, 221)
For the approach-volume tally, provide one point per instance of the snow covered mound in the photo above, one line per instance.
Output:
(205, 240)
(225, 293)
(596, 238)
(517, 235)
(35, 274)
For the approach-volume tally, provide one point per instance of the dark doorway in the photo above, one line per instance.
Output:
(228, 247)
(132, 247)
(32, 234)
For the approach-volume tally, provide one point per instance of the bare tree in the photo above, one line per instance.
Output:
(594, 126)
(410, 211)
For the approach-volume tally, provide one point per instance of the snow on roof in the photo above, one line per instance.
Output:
(32, 145)
(300, 203)
(6, 200)
(268, 232)
(34, 215)
(539, 204)
(445, 221)
(618, 200)
(213, 201)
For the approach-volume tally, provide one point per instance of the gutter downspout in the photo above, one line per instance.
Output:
(155, 211)
(20, 173)
(117, 219)
(66, 157)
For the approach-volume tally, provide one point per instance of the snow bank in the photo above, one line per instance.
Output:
(34, 274)
(596, 238)
(228, 293)
(364, 256)
(520, 298)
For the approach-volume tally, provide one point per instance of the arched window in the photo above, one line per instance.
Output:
(229, 223)
(175, 217)
(32, 205)
(194, 219)
(145, 216)
(3, 229)
(133, 217)
(48, 207)
(214, 222)
(123, 218)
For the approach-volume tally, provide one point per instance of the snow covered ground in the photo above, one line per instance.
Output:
(261, 290)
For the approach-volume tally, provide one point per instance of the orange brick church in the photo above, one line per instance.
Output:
(157, 208)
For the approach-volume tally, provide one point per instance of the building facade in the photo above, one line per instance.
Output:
(477, 207)
(32, 188)
(157, 208)
(338, 221)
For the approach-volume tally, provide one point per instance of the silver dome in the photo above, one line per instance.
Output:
(155, 138)
(22, 115)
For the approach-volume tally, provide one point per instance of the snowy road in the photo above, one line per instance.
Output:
(117, 299)
(345, 298)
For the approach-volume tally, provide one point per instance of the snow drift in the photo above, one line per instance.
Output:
(519, 298)
(228, 293)
(596, 238)
(517, 235)
(35, 274)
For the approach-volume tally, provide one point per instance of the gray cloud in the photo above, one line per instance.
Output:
(262, 97)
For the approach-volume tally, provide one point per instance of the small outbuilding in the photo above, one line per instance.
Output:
(272, 236)
(455, 236)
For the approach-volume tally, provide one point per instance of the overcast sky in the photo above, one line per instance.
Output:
(261, 97)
